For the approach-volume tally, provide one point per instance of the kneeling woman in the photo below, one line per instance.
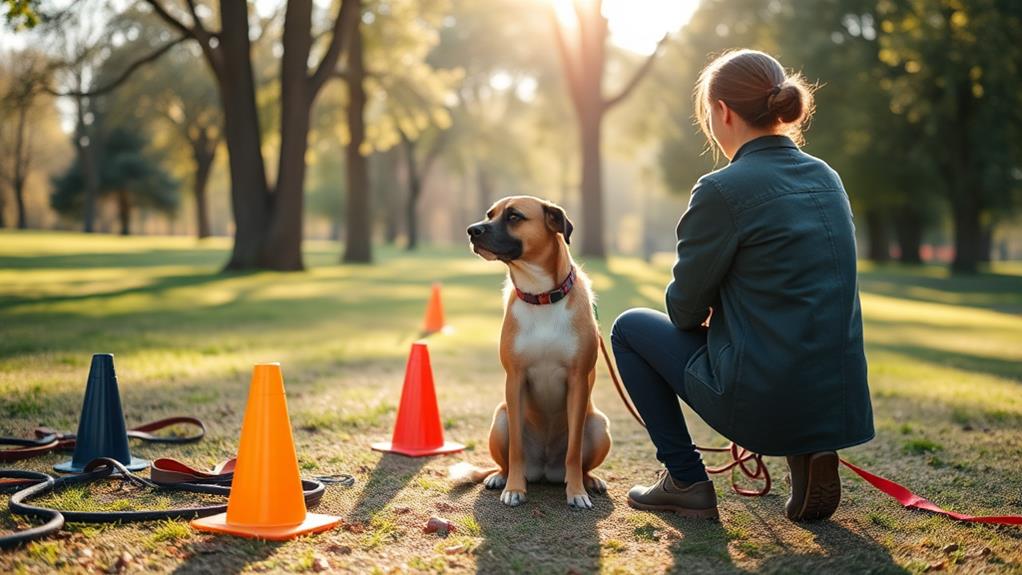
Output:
(763, 332)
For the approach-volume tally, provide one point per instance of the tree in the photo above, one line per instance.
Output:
(156, 94)
(20, 105)
(128, 173)
(956, 78)
(268, 221)
(584, 67)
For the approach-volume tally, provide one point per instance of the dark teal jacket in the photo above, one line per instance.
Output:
(768, 243)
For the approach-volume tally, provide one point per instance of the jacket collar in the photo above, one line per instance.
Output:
(763, 143)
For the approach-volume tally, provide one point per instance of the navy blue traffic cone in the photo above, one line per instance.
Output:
(101, 429)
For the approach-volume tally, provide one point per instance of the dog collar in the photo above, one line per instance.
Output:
(553, 296)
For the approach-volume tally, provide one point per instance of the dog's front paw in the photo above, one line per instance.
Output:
(495, 481)
(595, 484)
(579, 500)
(512, 497)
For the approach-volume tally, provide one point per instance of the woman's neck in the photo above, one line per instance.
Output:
(747, 136)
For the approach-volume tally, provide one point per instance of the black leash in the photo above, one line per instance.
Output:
(40, 484)
(47, 440)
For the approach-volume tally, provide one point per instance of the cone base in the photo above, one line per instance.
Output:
(314, 523)
(136, 464)
(447, 447)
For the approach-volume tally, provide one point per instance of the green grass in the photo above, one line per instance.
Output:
(945, 358)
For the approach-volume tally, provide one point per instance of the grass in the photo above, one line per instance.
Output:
(945, 359)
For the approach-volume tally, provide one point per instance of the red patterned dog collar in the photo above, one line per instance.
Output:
(551, 296)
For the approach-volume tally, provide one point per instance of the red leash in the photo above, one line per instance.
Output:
(741, 458)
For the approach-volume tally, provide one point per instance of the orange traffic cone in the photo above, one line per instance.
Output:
(434, 322)
(418, 430)
(266, 499)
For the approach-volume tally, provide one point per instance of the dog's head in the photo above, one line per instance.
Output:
(519, 227)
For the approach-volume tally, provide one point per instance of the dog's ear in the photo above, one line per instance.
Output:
(557, 221)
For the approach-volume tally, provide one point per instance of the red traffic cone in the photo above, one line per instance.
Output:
(418, 430)
(434, 321)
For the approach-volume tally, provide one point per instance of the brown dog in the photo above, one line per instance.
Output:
(547, 428)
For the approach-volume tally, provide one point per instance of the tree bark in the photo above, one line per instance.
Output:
(250, 201)
(21, 165)
(414, 191)
(909, 231)
(283, 248)
(877, 248)
(592, 188)
(124, 212)
(85, 145)
(204, 154)
(358, 231)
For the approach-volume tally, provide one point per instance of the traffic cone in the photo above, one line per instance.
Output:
(266, 500)
(101, 429)
(418, 430)
(434, 321)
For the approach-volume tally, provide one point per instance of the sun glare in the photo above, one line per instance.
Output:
(635, 25)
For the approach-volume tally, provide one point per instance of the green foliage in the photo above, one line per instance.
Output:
(20, 14)
(126, 168)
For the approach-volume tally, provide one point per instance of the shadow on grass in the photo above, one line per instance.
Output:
(990, 291)
(544, 535)
(224, 555)
(390, 475)
(1006, 368)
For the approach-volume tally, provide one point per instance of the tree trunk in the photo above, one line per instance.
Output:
(484, 188)
(909, 232)
(414, 190)
(250, 201)
(283, 249)
(204, 153)
(358, 232)
(124, 212)
(986, 243)
(20, 166)
(85, 144)
(592, 187)
(968, 238)
(878, 247)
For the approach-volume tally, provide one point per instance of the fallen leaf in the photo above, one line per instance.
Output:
(320, 564)
(950, 548)
(439, 525)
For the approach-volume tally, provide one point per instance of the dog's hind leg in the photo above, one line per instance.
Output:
(498, 448)
(595, 447)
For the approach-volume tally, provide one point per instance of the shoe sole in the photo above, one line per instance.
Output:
(823, 488)
(710, 513)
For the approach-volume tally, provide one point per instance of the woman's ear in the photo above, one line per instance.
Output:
(725, 113)
(557, 221)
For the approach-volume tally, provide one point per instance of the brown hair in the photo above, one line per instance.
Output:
(757, 88)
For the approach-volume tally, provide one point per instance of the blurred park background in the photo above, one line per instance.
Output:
(399, 121)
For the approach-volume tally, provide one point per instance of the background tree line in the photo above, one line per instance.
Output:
(262, 119)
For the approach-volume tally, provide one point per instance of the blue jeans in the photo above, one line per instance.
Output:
(651, 356)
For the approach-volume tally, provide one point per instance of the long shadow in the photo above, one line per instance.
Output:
(1006, 368)
(700, 545)
(990, 291)
(389, 476)
(844, 550)
(224, 555)
(542, 536)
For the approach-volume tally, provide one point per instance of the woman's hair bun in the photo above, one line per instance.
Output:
(786, 102)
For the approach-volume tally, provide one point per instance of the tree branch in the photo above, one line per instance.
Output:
(346, 23)
(125, 74)
(170, 19)
(637, 77)
(567, 63)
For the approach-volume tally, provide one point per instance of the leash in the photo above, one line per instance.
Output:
(166, 474)
(750, 464)
(47, 440)
(741, 457)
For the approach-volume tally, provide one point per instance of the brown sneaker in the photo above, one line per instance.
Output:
(815, 486)
(695, 500)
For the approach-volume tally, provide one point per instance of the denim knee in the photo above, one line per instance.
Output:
(629, 320)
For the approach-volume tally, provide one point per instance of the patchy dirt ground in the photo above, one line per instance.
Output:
(946, 374)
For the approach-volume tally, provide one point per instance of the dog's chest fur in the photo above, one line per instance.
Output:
(545, 344)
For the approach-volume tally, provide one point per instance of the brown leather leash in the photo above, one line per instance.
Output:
(750, 464)
(47, 440)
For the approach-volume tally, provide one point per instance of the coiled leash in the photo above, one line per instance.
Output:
(47, 440)
(167, 474)
(740, 457)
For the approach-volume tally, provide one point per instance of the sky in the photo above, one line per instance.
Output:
(637, 25)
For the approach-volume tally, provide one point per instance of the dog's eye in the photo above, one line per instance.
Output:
(514, 217)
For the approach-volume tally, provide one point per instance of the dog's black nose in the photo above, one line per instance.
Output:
(476, 230)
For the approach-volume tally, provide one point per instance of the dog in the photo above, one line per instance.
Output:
(547, 428)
